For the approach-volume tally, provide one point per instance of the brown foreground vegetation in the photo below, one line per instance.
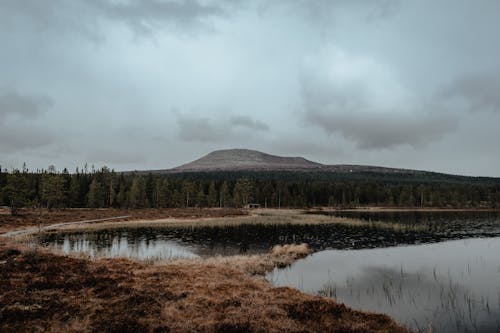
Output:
(42, 291)
(280, 256)
(259, 264)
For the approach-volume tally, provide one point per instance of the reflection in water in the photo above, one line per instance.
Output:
(451, 287)
(119, 245)
(446, 224)
(166, 242)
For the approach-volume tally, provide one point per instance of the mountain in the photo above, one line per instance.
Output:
(246, 159)
(252, 160)
(236, 161)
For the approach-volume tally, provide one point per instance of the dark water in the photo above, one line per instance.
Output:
(444, 224)
(440, 271)
(452, 286)
(167, 242)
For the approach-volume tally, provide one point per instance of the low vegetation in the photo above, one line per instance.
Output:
(280, 256)
(44, 217)
(180, 218)
(41, 291)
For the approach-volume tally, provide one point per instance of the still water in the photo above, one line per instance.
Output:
(189, 241)
(443, 275)
(453, 286)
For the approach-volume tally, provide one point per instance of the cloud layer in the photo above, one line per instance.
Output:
(155, 83)
(363, 101)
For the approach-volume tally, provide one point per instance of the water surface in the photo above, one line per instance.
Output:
(452, 286)
(189, 241)
(446, 224)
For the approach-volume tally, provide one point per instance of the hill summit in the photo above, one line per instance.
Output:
(246, 159)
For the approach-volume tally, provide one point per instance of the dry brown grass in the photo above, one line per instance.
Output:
(233, 218)
(187, 216)
(44, 217)
(41, 291)
(280, 256)
(181, 217)
(258, 264)
(266, 216)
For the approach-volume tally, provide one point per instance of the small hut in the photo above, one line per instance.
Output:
(252, 206)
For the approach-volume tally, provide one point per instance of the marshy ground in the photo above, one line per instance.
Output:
(44, 291)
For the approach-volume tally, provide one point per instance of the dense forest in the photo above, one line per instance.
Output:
(105, 188)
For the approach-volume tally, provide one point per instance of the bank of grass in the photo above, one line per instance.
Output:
(42, 291)
(259, 264)
(27, 218)
(257, 216)
(46, 291)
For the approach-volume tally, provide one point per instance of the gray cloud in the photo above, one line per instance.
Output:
(218, 129)
(17, 128)
(52, 19)
(362, 100)
(192, 128)
(88, 17)
(24, 137)
(12, 103)
(384, 131)
(302, 146)
(115, 156)
(338, 81)
(383, 9)
(476, 92)
(248, 122)
(322, 11)
(146, 15)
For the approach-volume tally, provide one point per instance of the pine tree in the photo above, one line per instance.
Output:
(242, 191)
(53, 189)
(137, 194)
(95, 194)
(225, 198)
(14, 192)
(165, 194)
(188, 190)
(212, 195)
(121, 197)
(74, 192)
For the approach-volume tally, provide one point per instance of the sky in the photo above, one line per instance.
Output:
(153, 84)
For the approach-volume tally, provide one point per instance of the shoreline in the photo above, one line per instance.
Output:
(81, 295)
(203, 217)
(404, 209)
(201, 282)
(227, 217)
(231, 290)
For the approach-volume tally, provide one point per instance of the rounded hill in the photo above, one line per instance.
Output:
(246, 159)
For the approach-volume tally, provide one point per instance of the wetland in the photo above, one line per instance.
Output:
(436, 270)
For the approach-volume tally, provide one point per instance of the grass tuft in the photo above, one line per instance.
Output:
(42, 291)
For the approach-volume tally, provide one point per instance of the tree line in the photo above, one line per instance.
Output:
(106, 188)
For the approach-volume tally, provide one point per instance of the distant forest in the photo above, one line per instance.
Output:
(106, 188)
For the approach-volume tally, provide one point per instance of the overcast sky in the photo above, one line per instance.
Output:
(153, 84)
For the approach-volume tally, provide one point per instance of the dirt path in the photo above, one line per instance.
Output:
(56, 225)
(35, 218)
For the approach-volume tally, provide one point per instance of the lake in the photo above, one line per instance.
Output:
(445, 274)
(453, 286)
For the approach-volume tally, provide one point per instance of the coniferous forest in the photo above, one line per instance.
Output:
(105, 188)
